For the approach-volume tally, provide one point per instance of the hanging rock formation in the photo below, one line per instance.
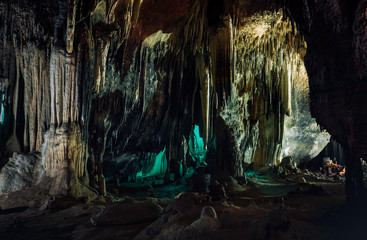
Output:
(96, 84)
(302, 138)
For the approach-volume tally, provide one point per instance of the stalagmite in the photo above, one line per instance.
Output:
(110, 80)
(105, 101)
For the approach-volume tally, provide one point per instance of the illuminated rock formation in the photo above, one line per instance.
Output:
(93, 84)
(302, 138)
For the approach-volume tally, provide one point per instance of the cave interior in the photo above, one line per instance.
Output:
(187, 119)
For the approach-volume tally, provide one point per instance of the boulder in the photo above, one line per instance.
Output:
(288, 163)
(21, 171)
(208, 220)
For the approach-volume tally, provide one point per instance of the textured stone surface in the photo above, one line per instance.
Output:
(303, 138)
(208, 220)
(266, 59)
(95, 80)
(22, 171)
(335, 63)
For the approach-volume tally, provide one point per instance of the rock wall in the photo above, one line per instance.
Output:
(44, 95)
(335, 63)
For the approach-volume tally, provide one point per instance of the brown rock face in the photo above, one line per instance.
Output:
(43, 97)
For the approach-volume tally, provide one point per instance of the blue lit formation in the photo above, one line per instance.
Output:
(2, 109)
(252, 174)
(196, 146)
(157, 167)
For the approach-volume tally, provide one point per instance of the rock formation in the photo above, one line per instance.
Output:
(87, 83)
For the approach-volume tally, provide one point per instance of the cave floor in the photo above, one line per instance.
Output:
(316, 211)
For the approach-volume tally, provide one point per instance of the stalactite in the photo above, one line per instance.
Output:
(121, 85)
(302, 137)
(13, 143)
(62, 87)
(266, 52)
(70, 24)
(51, 101)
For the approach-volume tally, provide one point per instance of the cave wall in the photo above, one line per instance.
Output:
(90, 83)
(336, 63)
(337, 89)
(44, 111)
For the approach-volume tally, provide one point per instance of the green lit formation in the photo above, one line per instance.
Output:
(157, 167)
(196, 146)
(2, 110)
(252, 174)
(156, 164)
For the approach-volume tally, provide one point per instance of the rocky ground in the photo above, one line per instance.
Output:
(264, 208)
